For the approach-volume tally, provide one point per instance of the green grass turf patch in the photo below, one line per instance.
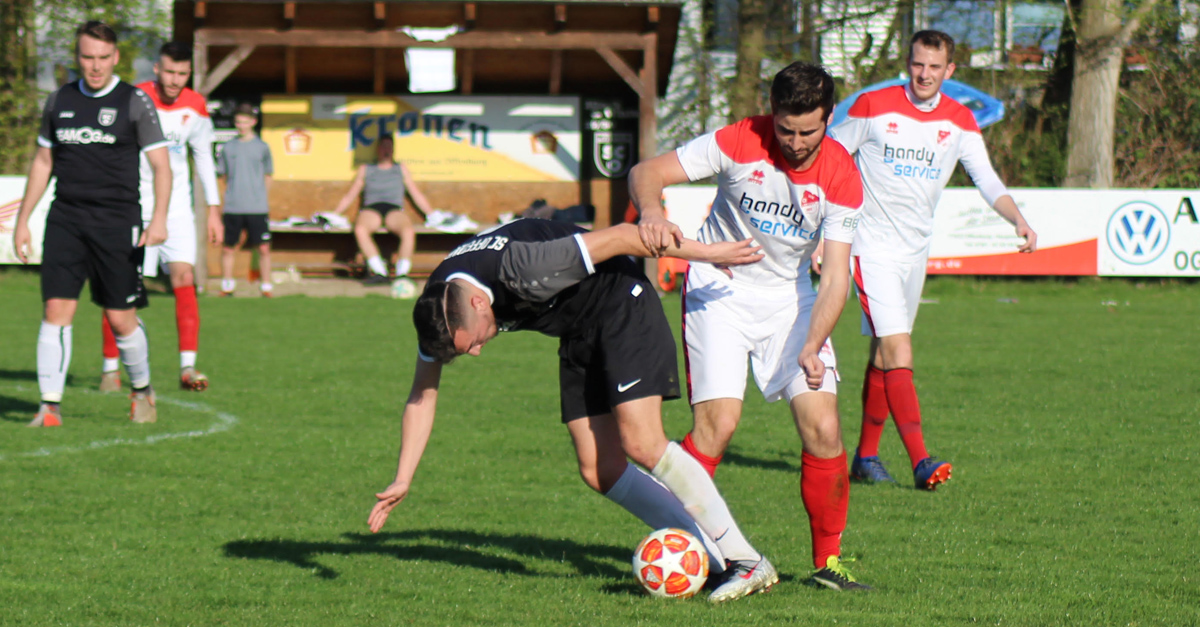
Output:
(1070, 415)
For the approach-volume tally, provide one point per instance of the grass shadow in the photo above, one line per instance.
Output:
(781, 463)
(458, 547)
(17, 409)
(18, 375)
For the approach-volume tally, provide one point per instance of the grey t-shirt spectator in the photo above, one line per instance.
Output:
(244, 164)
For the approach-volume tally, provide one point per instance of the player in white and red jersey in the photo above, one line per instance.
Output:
(183, 114)
(907, 140)
(784, 184)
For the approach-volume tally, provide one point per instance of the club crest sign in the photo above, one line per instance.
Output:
(107, 116)
(612, 153)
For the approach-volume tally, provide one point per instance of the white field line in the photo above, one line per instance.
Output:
(224, 422)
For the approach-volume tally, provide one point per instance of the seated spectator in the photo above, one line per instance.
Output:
(383, 186)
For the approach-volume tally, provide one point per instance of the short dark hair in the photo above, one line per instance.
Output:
(802, 88)
(436, 315)
(96, 30)
(935, 39)
(176, 51)
(246, 109)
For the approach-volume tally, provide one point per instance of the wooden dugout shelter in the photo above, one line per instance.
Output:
(618, 51)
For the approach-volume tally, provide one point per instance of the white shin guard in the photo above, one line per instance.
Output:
(53, 360)
(135, 354)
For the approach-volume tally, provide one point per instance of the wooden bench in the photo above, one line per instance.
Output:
(315, 251)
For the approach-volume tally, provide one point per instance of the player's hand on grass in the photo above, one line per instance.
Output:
(388, 500)
(154, 234)
(21, 242)
(817, 255)
(658, 233)
(814, 369)
(216, 228)
(1030, 245)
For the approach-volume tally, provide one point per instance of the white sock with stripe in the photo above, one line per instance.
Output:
(135, 354)
(53, 360)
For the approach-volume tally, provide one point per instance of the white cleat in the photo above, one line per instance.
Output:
(744, 578)
(143, 410)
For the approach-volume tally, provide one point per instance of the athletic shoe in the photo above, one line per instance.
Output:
(110, 381)
(869, 470)
(930, 472)
(267, 293)
(143, 410)
(192, 379)
(744, 578)
(47, 416)
(835, 576)
(225, 294)
(376, 279)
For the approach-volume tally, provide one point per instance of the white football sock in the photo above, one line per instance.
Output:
(654, 505)
(110, 365)
(686, 478)
(227, 285)
(135, 354)
(403, 266)
(53, 360)
(265, 287)
(377, 266)
(187, 359)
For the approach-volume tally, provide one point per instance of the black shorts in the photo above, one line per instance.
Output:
(382, 208)
(258, 230)
(108, 257)
(626, 353)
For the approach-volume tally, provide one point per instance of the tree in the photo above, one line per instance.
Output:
(745, 94)
(18, 85)
(1103, 29)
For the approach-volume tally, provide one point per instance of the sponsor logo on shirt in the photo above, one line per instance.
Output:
(107, 116)
(84, 135)
(912, 162)
(66, 114)
(761, 213)
(757, 177)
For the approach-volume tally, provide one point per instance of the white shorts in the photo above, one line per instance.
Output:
(889, 292)
(724, 323)
(180, 246)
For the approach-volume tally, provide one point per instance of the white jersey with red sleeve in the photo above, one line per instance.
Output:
(185, 123)
(907, 151)
(760, 196)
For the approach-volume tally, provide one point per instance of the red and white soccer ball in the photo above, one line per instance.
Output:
(671, 563)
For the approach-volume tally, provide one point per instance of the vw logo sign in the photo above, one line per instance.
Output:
(1138, 233)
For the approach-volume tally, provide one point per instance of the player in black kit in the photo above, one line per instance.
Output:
(91, 134)
(616, 362)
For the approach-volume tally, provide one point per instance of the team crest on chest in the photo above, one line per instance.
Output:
(809, 200)
(107, 116)
(943, 136)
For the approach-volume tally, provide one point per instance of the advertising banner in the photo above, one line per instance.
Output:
(12, 190)
(1081, 232)
(439, 138)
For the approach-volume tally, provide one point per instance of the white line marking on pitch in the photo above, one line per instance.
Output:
(225, 421)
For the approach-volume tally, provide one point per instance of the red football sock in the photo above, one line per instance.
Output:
(187, 318)
(825, 488)
(906, 409)
(875, 412)
(709, 463)
(110, 340)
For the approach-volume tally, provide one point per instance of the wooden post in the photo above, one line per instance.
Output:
(289, 69)
(223, 69)
(289, 15)
(556, 67)
(648, 102)
(560, 18)
(380, 71)
(469, 16)
(468, 77)
(200, 13)
(380, 15)
(199, 63)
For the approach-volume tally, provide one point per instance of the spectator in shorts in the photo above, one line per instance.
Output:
(246, 165)
(383, 186)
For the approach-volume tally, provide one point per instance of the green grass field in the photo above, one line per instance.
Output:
(1072, 425)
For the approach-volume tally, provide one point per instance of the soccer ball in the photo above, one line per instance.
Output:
(404, 287)
(671, 563)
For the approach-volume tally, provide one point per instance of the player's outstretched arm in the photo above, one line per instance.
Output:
(625, 239)
(416, 425)
(1007, 208)
(355, 189)
(419, 201)
(35, 187)
(831, 299)
(646, 182)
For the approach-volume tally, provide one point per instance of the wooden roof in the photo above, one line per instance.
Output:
(505, 47)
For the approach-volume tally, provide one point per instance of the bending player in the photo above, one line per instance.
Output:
(906, 141)
(183, 115)
(781, 182)
(616, 365)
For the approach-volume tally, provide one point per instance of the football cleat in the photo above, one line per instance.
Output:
(48, 415)
(869, 470)
(836, 576)
(192, 379)
(376, 279)
(930, 472)
(225, 294)
(143, 409)
(110, 381)
(744, 578)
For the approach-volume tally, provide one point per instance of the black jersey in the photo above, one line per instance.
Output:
(530, 287)
(96, 139)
